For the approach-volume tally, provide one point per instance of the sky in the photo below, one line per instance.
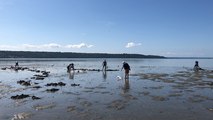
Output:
(171, 28)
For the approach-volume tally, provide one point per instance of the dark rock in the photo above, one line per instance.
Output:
(25, 83)
(211, 83)
(37, 87)
(52, 90)
(112, 70)
(3, 68)
(35, 98)
(39, 78)
(45, 75)
(23, 68)
(51, 84)
(31, 70)
(94, 70)
(45, 72)
(41, 75)
(20, 81)
(61, 84)
(56, 84)
(22, 96)
(75, 84)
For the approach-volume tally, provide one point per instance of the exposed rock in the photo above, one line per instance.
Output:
(22, 96)
(45, 73)
(112, 70)
(61, 84)
(37, 87)
(94, 70)
(39, 78)
(52, 90)
(51, 84)
(75, 84)
(210, 83)
(56, 84)
(25, 83)
(83, 69)
(3, 68)
(35, 98)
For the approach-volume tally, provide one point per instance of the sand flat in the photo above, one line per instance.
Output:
(181, 95)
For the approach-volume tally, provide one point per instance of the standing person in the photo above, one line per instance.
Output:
(126, 67)
(104, 64)
(16, 65)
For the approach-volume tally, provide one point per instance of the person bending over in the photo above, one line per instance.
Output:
(126, 67)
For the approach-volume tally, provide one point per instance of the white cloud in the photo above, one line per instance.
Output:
(28, 46)
(132, 44)
(52, 45)
(82, 45)
(43, 47)
(6, 47)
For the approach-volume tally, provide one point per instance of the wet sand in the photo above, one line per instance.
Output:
(97, 95)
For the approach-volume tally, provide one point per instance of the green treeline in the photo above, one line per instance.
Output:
(29, 54)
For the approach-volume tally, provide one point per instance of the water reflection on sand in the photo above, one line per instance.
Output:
(147, 94)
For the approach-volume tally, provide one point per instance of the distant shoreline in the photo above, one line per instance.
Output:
(30, 54)
(13, 55)
(189, 57)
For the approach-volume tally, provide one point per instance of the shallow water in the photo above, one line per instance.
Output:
(157, 89)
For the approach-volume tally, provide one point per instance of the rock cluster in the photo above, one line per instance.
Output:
(56, 84)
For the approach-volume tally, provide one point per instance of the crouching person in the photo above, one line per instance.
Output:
(70, 67)
(126, 67)
(197, 67)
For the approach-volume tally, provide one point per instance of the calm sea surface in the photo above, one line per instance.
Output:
(114, 62)
(137, 65)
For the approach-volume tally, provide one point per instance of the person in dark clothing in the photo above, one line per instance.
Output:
(16, 65)
(126, 67)
(70, 67)
(196, 67)
(104, 64)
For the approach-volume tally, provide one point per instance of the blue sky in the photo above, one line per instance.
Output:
(156, 27)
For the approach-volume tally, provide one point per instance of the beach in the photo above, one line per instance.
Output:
(157, 89)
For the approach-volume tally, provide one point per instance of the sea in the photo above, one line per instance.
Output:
(136, 64)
